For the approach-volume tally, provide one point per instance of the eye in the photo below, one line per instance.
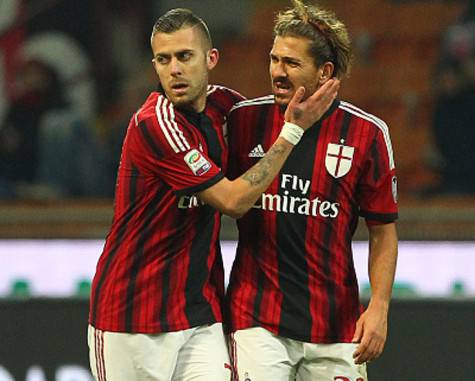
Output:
(162, 60)
(293, 63)
(274, 59)
(184, 56)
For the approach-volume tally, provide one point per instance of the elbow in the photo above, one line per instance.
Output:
(234, 211)
(235, 208)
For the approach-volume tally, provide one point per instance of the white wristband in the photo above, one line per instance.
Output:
(291, 132)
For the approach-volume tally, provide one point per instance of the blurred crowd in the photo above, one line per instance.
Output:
(72, 73)
(67, 90)
(454, 110)
(49, 147)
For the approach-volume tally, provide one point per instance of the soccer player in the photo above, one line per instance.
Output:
(293, 302)
(156, 298)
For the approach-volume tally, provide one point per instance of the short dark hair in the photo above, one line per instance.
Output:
(328, 36)
(179, 18)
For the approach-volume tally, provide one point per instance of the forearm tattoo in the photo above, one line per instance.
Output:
(261, 171)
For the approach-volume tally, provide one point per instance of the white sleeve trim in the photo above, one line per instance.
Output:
(376, 121)
(166, 120)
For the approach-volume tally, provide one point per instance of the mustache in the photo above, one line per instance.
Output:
(282, 80)
(178, 82)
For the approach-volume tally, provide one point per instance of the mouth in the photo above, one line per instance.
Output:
(282, 88)
(179, 87)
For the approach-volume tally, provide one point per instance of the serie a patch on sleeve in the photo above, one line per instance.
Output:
(197, 162)
(394, 188)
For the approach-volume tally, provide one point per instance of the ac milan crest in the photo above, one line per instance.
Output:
(338, 159)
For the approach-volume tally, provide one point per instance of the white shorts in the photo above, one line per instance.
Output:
(198, 354)
(259, 355)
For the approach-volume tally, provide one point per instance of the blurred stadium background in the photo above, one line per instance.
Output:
(53, 222)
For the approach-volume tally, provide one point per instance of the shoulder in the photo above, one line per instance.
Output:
(156, 108)
(224, 93)
(221, 99)
(372, 122)
(368, 118)
(254, 103)
(158, 120)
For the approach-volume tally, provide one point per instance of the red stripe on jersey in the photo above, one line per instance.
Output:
(214, 265)
(270, 307)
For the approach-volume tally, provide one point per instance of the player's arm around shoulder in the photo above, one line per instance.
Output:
(236, 197)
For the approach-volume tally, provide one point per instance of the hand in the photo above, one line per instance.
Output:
(306, 113)
(371, 331)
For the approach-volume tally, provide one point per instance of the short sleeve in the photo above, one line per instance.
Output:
(377, 190)
(169, 149)
(189, 172)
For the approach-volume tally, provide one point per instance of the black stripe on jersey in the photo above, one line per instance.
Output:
(267, 112)
(257, 227)
(212, 140)
(118, 241)
(200, 187)
(198, 310)
(291, 233)
(144, 128)
(139, 256)
(345, 125)
(167, 271)
(387, 218)
(258, 220)
(332, 194)
(375, 160)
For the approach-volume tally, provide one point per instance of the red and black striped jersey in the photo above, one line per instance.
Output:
(293, 273)
(161, 268)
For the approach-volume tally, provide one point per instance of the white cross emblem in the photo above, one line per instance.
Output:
(338, 159)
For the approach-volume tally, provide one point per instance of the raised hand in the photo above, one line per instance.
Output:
(306, 113)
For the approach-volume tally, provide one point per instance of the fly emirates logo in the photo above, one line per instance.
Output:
(287, 203)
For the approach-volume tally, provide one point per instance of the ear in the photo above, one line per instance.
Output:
(212, 58)
(154, 63)
(325, 72)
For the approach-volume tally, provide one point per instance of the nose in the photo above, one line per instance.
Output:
(175, 67)
(277, 70)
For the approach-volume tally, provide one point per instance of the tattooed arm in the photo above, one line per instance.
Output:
(236, 197)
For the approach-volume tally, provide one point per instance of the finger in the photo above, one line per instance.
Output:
(379, 349)
(361, 353)
(298, 96)
(373, 350)
(329, 89)
(362, 358)
(370, 353)
(358, 332)
(360, 349)
(377, 352)
(332, 91)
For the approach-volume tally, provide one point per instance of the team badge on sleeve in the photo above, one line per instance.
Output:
(394, 188)
(338, 159)
(197, 162)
